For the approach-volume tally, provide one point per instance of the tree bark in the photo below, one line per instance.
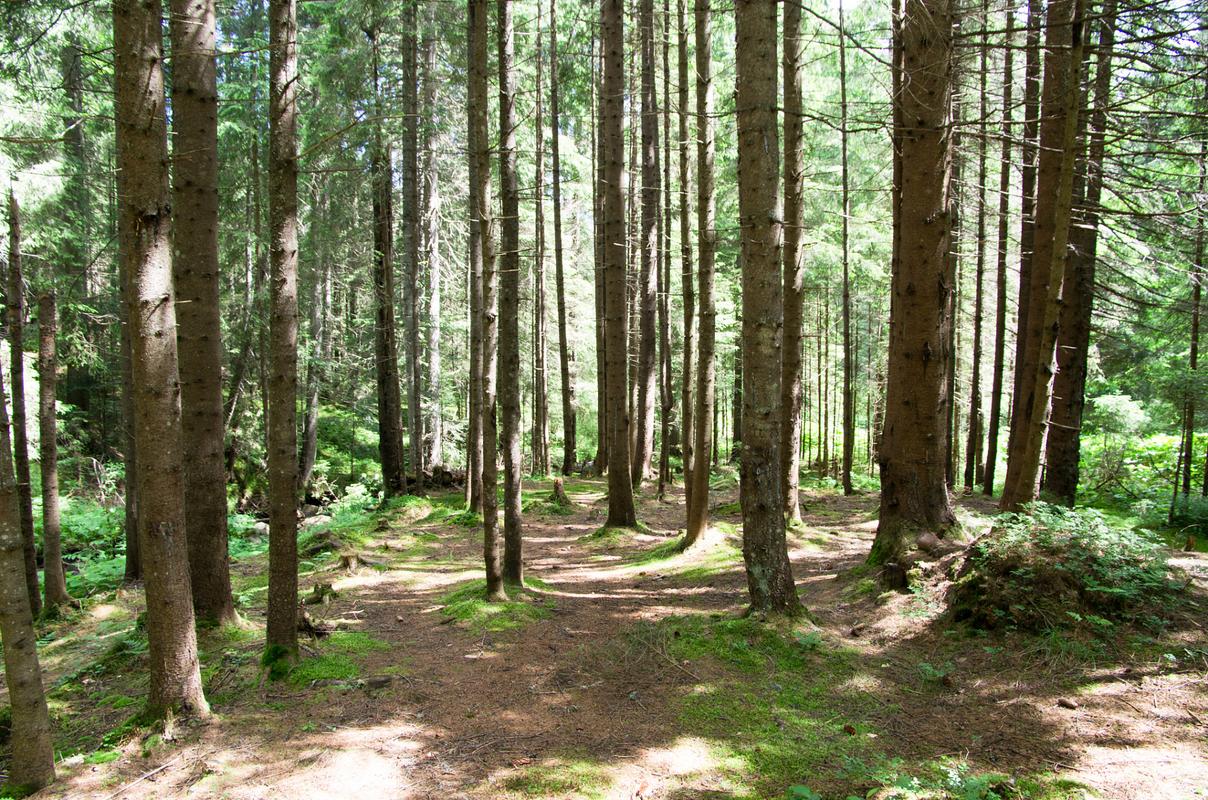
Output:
(597, 182)
(912, 454)
(666, 394)
(146, 214)
(705, 413)
(431, 213)
(411, 230)
(509, 302)
(648, 253)
(849, 399)
(32, 763)
(973, 440)
(688, 377)
(476, 201)
(621, 511)
(1054, 189)
(794, 259)
(569, 428)
(319, 353)
(764, 548)
(193, 27)
(282, 634)
(540, 431)
(48, 445)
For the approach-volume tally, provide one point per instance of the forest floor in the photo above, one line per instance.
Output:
(626, 670)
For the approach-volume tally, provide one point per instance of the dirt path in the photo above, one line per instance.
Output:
(582, 703)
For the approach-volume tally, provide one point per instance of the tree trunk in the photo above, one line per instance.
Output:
(688, 378)
(1000, 285)
(912, 454)
(48, 446)
(133, 568)
(973, 441)
(282, 635)
(597, 182)
(1063, 445)
(540, 432)
(621, 511)
(849, 398)
(1054, 188)
(705, 414)
(764, 549)
(794, 259)
(32, 763)
(476, 104)
(431, 213)
(488, 311)
(509, 302)
(193, 26)
(15, 307)
(145, 213)
(666, 395)
(648, 247)
(411, 232)
(569, 444)
(318, 353)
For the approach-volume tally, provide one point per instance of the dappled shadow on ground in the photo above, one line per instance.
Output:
(643, 681)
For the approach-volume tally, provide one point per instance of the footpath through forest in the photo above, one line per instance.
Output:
(625, 670)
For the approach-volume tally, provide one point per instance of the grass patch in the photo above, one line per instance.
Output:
(468, 604)
(561, 777)
(616, 534)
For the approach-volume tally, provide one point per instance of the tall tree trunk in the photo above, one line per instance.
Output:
(794, 260)
(431, 213)
(705, 414)
(621, 511)
(602, 458)
(32, 763)
(648, 252)
(666, 395)
(145, 213)
(849, 398)
(411, 230)
(565, 356)
(488, 311)
(1000, 284)
(1054, 188)
(1063, 445)
(133, 569)
(914, 490)
(475, 105)
(48, 446)
(764, 548)
(15, 307)
(509, 301)
(540, 432)
(319, 353)
(281, 638)
(688, 377)
(973, 441)
(193, 26)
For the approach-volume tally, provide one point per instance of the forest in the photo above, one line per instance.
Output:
(785, 399)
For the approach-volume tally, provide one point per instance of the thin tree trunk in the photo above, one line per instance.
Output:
(764, 548)
(794, 260)
(647, 289)
(603, 431)
(621, 511)
(666, 395)
(476, 201)
(193, 26)
(281, 638)
(32, 763)
(914, 491)
(133, 569)
(688, 378)
(565, 356)
(145, 212)
(973, 442)
(849, 399)
(411, 231)
(509, 302)
(48, 446)
(320, 354)
(431, 224)
(540, 432)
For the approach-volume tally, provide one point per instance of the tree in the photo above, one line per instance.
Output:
(193, 28)
(914, 490)
(281, 638)
(411, 230)
(621, 512)
(33, 757)
(764, 549)
(569, 444)
(849, 389)
(688, 370)
(794, 260)
(146, 214)
(431, 210)
(48, 447)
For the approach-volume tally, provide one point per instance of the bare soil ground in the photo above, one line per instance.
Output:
(596, 696)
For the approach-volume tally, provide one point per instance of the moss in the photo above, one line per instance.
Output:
(329, 667)
(468, 604)
(354, 643)
(103, 756)
(559, 777)
(277, 661)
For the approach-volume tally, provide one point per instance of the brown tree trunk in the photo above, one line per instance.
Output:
(145, 213)
(540, 431)
(48, 446)
(1063, 444)
(705, 414)
(648, 252)
(133, 569)
(666, 395)
(621, 511)
(1054, 189)
(319, 352)
(688, 378)
(32, 764)
(193, 26)
(281, 638)
(474, 444)
(431, 223)
(794, 260)
(849, 398)
(411, 232)
(973, 441)
(565, 356)
(764, 549)
(912, 454)
(488, 310)
(597, 182)
(509, 302)
(15, 307)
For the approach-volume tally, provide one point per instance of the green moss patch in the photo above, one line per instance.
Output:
(468, 604)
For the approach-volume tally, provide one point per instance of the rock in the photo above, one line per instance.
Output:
(260, 529)
(317, 519)
(1065, 702)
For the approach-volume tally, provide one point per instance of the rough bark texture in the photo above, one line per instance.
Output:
(282, 633)
(1054, 190)
(764, 548)
(912, 455)
(794, 260)
(1063, 445)
(509, 301)
(616, 319)
(597, 210)
(411, 233)
(474, 101)
(319, 352)
(434, 418)
(706, 231)
(973, 440)
(688, 376)
(849, 397)
(193, 27)
(145, 212)
(569, 431)
(133, 565)
(55, 584)
(666, 394)
(15, 308)
(540, 430)
(32, 764)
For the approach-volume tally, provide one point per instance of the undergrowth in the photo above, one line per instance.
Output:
(468, 604)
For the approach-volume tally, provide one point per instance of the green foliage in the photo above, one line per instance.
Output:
(339, 659)
(468, 604)
(277, 661)
(578, 777)
(1051, 567)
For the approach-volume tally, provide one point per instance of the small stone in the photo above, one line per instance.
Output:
(1065, 702)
